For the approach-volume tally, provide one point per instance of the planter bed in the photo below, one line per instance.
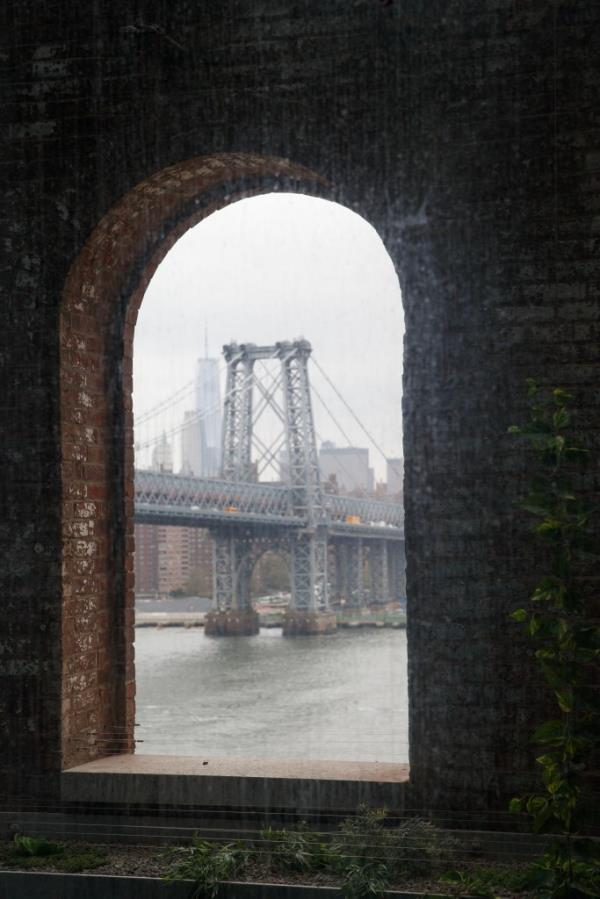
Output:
(81, 870)
(125, 875)
(46, 885)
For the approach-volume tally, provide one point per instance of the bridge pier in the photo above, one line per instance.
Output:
(309, 612)
(231, 623)
(378, 569)
(355, 574)
(397, 571)
(340, 574)
(232, 614)
(301, 624)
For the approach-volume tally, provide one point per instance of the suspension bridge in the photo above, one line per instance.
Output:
(330, 538)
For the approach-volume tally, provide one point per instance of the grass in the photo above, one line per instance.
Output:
(32, 853)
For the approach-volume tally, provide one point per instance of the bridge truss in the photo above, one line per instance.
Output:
(328, 537)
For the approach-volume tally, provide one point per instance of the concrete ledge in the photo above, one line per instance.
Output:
(186, 781)
(28, 885)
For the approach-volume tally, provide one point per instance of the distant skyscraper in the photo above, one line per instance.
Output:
(395, 477)
(208, 407)
(191, 445)
(346, 466)
(201, 431)
(162, 455)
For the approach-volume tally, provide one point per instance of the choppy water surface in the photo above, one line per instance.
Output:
(342, 696)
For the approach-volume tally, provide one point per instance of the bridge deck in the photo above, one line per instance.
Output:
(164, 498)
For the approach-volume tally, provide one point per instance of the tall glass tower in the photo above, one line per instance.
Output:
(208, 407)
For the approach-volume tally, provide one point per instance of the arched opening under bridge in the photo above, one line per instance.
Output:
(100, 308)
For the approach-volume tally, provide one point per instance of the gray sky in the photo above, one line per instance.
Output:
(271, 268)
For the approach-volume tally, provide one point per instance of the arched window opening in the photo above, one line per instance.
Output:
(269, 489)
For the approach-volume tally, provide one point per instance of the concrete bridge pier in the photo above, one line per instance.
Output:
(231, 623)
(306, 624)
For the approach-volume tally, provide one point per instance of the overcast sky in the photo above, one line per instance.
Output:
(271, 268)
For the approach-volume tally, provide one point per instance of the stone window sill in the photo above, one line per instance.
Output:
(235, 782)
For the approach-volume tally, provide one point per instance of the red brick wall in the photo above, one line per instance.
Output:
(96, 340)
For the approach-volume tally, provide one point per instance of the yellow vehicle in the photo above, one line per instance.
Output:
(231, 509)
(352, 519)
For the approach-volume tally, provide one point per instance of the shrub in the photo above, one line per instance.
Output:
(207, 864)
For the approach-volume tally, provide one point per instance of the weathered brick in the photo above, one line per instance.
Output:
(470, 140)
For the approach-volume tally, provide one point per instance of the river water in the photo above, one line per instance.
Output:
(342, 696)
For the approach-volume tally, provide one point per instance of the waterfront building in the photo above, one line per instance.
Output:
(172, 558)
(347, 467)
(395, 477)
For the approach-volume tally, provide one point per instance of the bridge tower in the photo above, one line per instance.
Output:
(232, 611)
(310, 612)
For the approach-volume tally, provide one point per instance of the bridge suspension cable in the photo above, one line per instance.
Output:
(181, 426)
(267, 451)
(177, 429)
(172, 400)
(167, 403)
(331, 415)
(369, 436)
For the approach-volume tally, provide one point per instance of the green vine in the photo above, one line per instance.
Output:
(567, 648)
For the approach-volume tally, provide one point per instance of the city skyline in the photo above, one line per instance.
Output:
(255, 261)
(343, 469)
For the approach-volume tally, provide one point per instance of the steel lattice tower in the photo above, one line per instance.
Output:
(309, 546)
(236, 441)
(309, 549)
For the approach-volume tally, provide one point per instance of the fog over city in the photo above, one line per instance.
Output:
(273, 268)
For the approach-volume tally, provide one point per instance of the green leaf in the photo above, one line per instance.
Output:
(577, 453)
(549, 527)
(565, 699)
(452, 877)
(34, 846)
(560, 418)
(535, 623)
(559, 393)
(546, 760)
(519, 615)
(542, 818)
(549, 730)
(515, 805)
(534, 508)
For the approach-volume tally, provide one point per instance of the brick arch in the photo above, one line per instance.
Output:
(100, 303)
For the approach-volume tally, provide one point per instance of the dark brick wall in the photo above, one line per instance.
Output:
(468, 134)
